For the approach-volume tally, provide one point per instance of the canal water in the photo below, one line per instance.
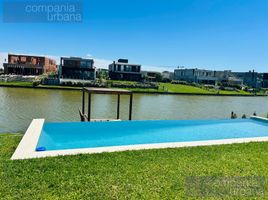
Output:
(19, 106)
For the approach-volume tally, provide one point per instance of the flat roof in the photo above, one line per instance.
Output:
(76, 58)
(31, 55)
(120, 63)
(106, 91)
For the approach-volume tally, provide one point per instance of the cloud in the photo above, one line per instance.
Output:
(89, 56)
(156, 68)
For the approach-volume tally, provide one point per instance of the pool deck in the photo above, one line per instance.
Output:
(27, 146)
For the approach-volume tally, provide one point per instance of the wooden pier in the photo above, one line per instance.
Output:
(90, 91)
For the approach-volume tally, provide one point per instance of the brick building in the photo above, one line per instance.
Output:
(29, 65)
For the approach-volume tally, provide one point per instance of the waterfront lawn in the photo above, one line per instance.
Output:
(59, 87)
(148, 174)
(20, 84)
(179, 88)
(168, 87)
(241, 92)
(163, 88)
(185, 89)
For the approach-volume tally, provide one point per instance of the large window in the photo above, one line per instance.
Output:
(118, 67)
(127, 68)
(86, 64)
(71, 63)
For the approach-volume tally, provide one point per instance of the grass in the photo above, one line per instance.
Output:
(184, 88)
(148, 174)
(196, 90)
(164, 88)
(241, 92)
(21, 84)
(59, 87)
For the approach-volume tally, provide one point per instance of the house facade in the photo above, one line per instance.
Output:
(201, 76)
(251, 78)
(152, 76)
(77, 68)
(123, 70)
(29, 65)
(265, 80)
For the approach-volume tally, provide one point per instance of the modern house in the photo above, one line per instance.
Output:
(122, 70)
(29, 65)
(265, 80)
(201, 76)
(251, 78)
(232, 80)
(151, 76)
(77, 68)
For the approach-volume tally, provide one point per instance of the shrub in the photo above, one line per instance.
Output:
(36, 83)
(84, 84)
(134, 85)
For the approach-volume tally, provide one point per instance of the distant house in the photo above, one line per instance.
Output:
(122, 70)
(195, 75)
(235, 81)
(152, 76)
(29, 65)
(209, 76)
(77, 68)
(265, 80)
(250, 78)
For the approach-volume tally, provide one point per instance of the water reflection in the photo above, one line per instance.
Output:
(19, 106)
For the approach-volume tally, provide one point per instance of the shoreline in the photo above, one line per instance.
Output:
(135, 92)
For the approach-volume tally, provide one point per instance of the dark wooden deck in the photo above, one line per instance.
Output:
(118, 92)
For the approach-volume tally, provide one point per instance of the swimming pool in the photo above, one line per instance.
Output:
(96, 137)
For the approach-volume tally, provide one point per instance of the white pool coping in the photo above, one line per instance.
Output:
(27, 146)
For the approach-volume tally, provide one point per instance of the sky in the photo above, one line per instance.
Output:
(159, 34)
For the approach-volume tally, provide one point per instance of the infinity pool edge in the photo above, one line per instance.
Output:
(27, 146)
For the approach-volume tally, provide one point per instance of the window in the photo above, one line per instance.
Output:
(118, 67)
(127, 68)
(85, 64)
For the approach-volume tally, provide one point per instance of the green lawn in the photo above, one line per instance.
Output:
(191, 89)
(164, 87)
(184, 88)
(59, 87)
(148, 174)
(241, 92)
(179, 88)
(22, 84)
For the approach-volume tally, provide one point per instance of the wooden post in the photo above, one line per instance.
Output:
(83, 103)
(89, 107)
(118, 106)
(130, 106)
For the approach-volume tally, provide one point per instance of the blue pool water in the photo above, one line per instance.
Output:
(76, 135)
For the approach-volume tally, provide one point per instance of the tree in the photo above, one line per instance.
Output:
(158, 77)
